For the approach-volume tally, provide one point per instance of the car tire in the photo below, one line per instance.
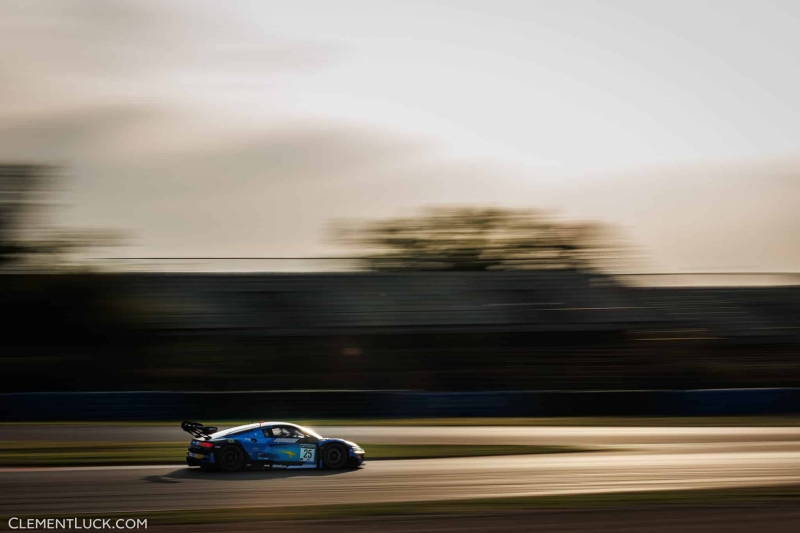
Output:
(230, 458)
(335, 456)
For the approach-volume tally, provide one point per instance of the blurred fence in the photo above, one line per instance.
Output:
(536, 300)
(432, 331)
(276, 405)
(337, 303)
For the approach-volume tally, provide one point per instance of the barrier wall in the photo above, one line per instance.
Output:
(298, 405)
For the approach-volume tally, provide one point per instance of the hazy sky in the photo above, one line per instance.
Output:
(243, 128)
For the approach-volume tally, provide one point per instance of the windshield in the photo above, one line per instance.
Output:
(226, 432)
(310, 432)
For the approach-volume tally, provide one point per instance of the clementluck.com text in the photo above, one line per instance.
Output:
(77, 523)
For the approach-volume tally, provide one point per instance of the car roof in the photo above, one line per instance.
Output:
(265, 424)
(254, 425)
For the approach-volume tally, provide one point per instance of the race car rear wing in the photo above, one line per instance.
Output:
(197, 430)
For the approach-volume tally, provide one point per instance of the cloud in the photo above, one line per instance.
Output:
(72, 135)
(70, 53)
(132, 97)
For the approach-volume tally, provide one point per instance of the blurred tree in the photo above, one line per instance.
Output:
(27, 241)
(17, 185)
(481, 238)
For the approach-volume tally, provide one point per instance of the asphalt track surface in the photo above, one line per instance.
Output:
(639, 459)
(775, 519)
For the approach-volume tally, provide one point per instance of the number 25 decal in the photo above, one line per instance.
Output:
(307, 453)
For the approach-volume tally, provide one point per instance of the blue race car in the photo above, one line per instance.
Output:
(267, 445)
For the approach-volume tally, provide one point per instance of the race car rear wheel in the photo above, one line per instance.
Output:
(335, 456)
(230, 458)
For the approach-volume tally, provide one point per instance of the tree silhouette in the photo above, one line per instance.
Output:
(479, 238)
(28, 241)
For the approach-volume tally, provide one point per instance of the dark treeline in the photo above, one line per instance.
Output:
(460, 298)
(104, 332)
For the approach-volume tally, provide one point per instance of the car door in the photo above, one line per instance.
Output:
(289, 446)
(256, 445)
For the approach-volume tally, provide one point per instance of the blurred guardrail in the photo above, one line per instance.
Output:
(275, 405)
(264, 265)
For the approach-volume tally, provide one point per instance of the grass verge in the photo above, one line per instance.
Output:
(789, 495)
(114, 453)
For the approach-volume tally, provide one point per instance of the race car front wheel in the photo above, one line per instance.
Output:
(335, 456)
(230, 458)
